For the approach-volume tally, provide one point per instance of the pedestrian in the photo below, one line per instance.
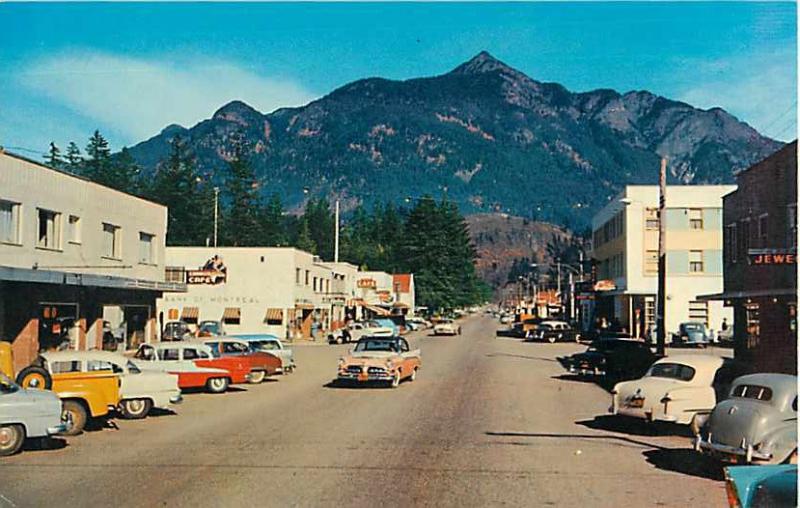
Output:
(724, 326)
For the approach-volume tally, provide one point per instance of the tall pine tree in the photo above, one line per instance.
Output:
(53, 157)
(241, 220)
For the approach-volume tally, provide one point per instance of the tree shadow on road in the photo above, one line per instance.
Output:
(599, 437)
(686, 461)
(524, 357)
(601, 381)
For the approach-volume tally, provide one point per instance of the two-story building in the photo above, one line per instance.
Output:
(625, 254)
(77, 259)
(760, 262)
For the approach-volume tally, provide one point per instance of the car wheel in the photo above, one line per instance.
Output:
(413, 375)
(75, 415)
(257, 377)
(135, 409)
(551, 339)
(339, 340)
(11, 439)
(35, 377)
(217, 384)
(577, 337)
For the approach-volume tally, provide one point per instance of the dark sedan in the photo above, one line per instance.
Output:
(618, 359)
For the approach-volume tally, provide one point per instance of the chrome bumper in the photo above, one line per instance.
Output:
(176, 399)
(56, 429)
(376, 376)
(725, 451)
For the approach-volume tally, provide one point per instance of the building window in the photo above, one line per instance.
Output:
(649, 312)
(308, 276)
(731, 245)
(315, 284)
(49, 229)
(175, 274)
(74, 229)
(651, 218)
(753, 324)
(698, 312)
(791, 225)
(744, 237)
(146, 249)
(651, 262)
(695, 261)
(9, 222)
(762, 230)
(695, 218)
(297, 276)
(111, 241)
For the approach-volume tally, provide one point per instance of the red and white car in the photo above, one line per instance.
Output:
(262, 364)
(195, 364)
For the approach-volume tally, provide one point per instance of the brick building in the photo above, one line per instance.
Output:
(760, 264)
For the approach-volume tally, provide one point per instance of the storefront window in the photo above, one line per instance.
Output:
(753, 325)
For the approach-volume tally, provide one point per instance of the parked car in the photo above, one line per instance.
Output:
(384, 359)
(210, 328)
(506, 319)
(681, 389)
(419, 322)
(26, 414)
(194, 363)
(85, 392)
(262, 364)
(271, 344)
(692, 334)
(357, 329)
(756, 424)
(772, 486)
(139, 391)
(177, 330)
(446, 326)
(618, 359)
(553, 331)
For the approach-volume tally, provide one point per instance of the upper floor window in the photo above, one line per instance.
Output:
(49, 229)
(308, 276)
(74, 229)
(112, 247)
(731, 242)
(147, 254)
(297, 276)
(744, 237)
(762, 230)
(9, 222)
(695, 261)
(695, 218)
(791, 224)
(651, 218)
(651, 262)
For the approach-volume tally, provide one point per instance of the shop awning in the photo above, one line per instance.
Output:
(377, 310)
(232, 313)
(274, 315)
(303, 305)
(43, 275)
(190, 313)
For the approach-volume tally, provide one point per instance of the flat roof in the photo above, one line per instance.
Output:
(11, 274)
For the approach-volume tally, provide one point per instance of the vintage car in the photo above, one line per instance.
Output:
(756, 424)
(553, 331)
(194, 363)
(418, 322)
(139, 391)
(617, 359)
(681, 389)
(446, 326)
(262, 364)
(210, 328)
(85, 392)
(692, 334)
(357, 329)
(177, 330)
(383, 359)
(773, 486)
(26, 414)
(270, 344)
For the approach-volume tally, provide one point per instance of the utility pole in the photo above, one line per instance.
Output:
(216, 213)
(661, 302)
(571, 297)
(336, 234)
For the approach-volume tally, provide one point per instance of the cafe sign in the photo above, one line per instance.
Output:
(764, 257)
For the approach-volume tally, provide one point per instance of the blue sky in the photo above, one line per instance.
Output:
(131, 69)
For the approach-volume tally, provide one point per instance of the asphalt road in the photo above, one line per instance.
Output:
(488, 422)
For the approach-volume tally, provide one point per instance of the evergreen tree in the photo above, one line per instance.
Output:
(53, 157)
(274, 232)
(96, 166)
(73, 157)
(304, 240)
(320, 222)
(241, 219)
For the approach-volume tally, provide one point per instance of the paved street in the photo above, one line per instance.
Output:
(488, 422)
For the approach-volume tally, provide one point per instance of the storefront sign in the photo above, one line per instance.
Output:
(367, 283)
(213, 272)
(605, 285)
(771, 257)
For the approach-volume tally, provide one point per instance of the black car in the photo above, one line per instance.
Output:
(618, 359)
(553, 331)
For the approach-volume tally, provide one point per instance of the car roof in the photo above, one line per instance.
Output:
(177, 345)
(380, 337)
(66, 356)
(702, 361)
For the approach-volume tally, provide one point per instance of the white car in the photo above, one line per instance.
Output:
(356, 330)
(681, 389)
(420, 322)
(446, 327)
(139, 391)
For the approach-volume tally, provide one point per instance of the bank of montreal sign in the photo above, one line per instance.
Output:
(213, 272)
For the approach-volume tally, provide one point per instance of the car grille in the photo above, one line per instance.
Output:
(376, 370)
(354, 369)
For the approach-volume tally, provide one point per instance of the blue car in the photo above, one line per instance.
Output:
(761, 486)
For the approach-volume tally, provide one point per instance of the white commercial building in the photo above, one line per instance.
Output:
(625, 252)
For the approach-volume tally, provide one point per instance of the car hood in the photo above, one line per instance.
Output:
(30, 402)
(370, 357)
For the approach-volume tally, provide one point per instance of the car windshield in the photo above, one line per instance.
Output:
(376, 345)
(672, 371)
(7, 385)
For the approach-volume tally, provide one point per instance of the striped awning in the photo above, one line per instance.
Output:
(190, 313)
(232, 313)
(274, 315)
(303, 305)
(377, 310)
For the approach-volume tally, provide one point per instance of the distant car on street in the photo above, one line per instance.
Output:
(756, 424)
(210, 328)
(357, 329)
(692, 334)
(680, 389)
(446, 326)
(176, 330)
(26, 414)
(271, 344)
(553, 331)
(381, 359)
(617, 359)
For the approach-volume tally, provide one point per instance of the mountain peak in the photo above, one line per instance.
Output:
(235, 109)
(482, 63)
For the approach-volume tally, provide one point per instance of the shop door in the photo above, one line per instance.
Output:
(56, 324)
(136, 319)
